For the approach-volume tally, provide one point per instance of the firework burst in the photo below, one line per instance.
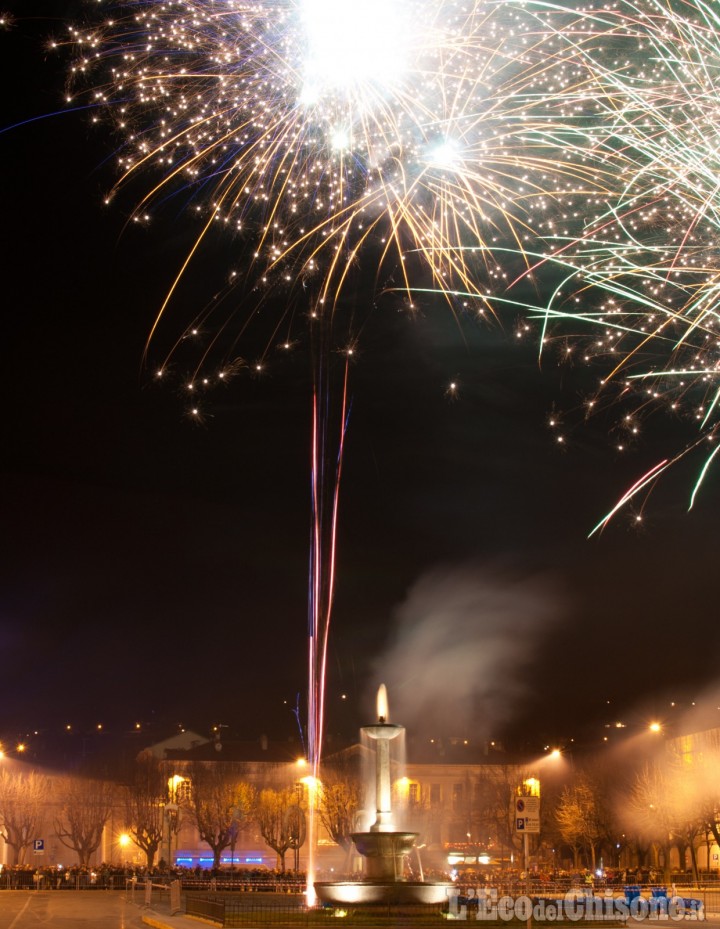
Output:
(318, 133)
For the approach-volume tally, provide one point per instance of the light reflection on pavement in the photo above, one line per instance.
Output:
(101, 909)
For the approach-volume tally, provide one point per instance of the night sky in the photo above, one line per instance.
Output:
(155, 568)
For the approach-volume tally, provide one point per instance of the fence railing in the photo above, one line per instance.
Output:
(709, 894)
(237, 884)
(61, 880)
(239, 893)
(26, 879)
(238, 912)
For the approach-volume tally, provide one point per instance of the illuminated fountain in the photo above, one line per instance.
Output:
(383, 847)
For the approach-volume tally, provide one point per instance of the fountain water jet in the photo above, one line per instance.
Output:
(383, 847)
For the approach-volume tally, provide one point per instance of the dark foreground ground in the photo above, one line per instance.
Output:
(117, 910)
(21, 909)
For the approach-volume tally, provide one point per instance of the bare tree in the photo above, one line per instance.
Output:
(338, 804)
(297, 830)
(22, 803)
(276, 814)
(144, 805)
(86, 808)
(663, 808)
(220, 803)
(699, 777)
(495, 790)
(579, 818)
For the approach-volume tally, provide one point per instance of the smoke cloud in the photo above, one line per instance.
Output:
(461, 645)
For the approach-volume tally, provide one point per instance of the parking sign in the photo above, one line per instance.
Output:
(527, 814)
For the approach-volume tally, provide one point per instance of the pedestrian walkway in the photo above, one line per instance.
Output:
(179, 921)
(157, 914)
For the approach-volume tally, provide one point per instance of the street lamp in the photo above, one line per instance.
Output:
(173, 784)
(313, 786)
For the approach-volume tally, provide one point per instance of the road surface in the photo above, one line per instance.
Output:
(100, 909)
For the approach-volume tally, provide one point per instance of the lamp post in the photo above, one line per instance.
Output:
(297, 827)
(123, 842)
(171, 813)
(311, 787)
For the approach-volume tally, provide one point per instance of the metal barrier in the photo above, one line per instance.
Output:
(237, 912)
(11, 879)
(206, 907)
(55, 879)
(175, 897)
(709, 894)
(148, 892)
(238, 884)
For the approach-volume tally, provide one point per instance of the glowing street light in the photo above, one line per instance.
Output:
(6, 752)
(123, 842)
(313, 784)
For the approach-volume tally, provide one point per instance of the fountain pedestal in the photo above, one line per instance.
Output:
(383, 847)
(384, 853)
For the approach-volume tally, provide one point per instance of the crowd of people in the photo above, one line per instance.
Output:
(579, 879)
(107, 876)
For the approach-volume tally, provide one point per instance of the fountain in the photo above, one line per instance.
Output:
(383, 847)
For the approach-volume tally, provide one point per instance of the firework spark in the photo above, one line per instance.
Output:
(638, 279)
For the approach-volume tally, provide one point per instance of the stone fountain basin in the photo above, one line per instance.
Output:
(341, 893)
(383, 844)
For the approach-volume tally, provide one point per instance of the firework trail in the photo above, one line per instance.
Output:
(413, 138)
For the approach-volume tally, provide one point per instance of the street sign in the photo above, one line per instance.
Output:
(527, 814)
(39, 846)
